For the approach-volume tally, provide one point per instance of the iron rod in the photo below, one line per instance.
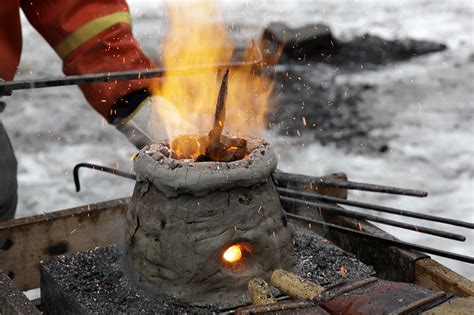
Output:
(219, 115)
(337, 183)
(393, 242)
(106, 169)
(363, 216)
(312, 196)
(6, 88)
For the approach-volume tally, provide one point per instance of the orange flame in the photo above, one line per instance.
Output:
(185, 101)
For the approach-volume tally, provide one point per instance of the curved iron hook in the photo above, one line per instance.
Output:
(101, 168)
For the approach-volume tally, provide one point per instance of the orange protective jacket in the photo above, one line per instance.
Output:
(89, 35)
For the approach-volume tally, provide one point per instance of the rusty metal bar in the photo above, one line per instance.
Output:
(311, 180)
(393, 242)
(422, 304)
(362, 216)
(344, 288)
(313, 196)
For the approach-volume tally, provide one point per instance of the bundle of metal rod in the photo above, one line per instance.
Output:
(314, 196)
(388, 241)
(362, 216)
(288, 179)
(310, 199)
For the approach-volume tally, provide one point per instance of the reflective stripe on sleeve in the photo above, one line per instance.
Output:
(89, 30)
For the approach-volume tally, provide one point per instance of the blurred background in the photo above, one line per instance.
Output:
(403, 118)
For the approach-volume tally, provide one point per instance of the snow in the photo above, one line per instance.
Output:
(426, 105)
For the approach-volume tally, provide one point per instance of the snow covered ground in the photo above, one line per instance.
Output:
(426, 105)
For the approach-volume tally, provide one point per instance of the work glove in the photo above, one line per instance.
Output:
(138, 127)
(134, 116)
(143, 124)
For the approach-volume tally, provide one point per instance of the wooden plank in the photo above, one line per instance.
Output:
(455, 306)
(32, 239)
(433, 275)
(12, 300)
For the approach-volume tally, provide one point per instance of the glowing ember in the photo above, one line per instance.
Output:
(233, 254)
(343, 272)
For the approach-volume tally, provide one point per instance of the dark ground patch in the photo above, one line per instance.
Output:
(311, 102)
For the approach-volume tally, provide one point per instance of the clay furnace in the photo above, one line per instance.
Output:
(198, 231)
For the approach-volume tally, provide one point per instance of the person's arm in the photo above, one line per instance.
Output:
(94, 36)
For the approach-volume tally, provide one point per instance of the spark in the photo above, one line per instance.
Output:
(342, 271)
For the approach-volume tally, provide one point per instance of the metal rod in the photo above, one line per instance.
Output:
(312, 196)
(362, 216)
(337, 183)
(219, 116)
(6, 88)
(393, 242)
(106, 169)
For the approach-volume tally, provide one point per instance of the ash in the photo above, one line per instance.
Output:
(96, 281)
(320, 261)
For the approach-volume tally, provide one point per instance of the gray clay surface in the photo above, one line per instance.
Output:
(176, 244)
(174, 177)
